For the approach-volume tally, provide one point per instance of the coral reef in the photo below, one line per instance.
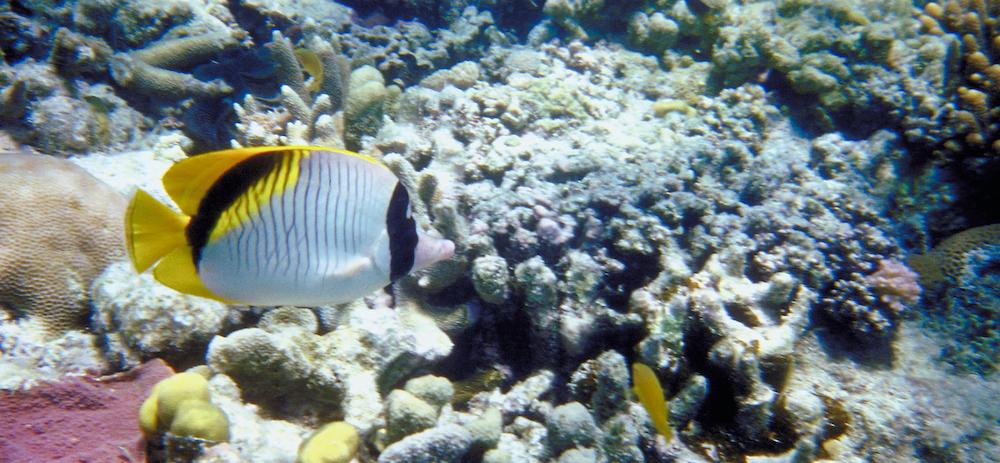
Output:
(895, 284)
(721, 190)
(81, 418)
(181, 406)
(961, 280)
(60, 228)
(140, 319)
(29, 354)
(338, 374)
(300, 116)
(410, 51)
(971, 27)
(41, 110)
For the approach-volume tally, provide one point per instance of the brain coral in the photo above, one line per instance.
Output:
(59, 228)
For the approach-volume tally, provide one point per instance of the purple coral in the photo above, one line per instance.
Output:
(895, 284)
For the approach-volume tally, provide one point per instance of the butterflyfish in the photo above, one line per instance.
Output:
(647, 388)
(290, 225)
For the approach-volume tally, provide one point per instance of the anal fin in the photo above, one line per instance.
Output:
(177, 271)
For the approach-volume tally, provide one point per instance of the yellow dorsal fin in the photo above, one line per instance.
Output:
(152, 230)
(177, 271)
(188, 181)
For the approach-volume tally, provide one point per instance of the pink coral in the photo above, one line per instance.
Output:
(78, 419)
(895, 284)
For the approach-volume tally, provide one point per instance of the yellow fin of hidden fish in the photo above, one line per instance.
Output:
(310, 63)
(152, 230)
(177, 271)
(647, 388)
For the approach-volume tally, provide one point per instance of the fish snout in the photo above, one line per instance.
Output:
(430, 250)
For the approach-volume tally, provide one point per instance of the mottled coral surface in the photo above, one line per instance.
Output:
(78, 419)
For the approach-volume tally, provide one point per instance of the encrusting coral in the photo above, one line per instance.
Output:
(59, 229)
(961, 282)
(948, 261)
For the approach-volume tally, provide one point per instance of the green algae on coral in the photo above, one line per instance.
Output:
(947, 261)
(482, 381)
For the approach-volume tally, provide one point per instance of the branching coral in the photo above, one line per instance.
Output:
(895, 284)
(973, 28)
(148, 71)
(302, 116)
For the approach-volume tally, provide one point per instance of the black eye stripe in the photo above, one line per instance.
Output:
(402, 231)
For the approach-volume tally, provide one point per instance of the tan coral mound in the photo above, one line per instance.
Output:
(59, 228)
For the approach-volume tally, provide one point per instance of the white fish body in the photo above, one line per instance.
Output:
(290, 226)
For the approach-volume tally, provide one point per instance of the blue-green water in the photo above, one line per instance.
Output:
(785, 209)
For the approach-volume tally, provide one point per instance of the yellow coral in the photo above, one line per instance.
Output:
(173, 391)
(335, 442)
(663, 107)
(59, 229)
(180, 404)
(947, 261)
(202, 420)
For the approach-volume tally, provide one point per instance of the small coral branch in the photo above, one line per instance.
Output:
(148, 71)
(895, 284)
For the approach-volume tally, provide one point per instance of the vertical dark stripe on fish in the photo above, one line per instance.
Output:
(317, 165)
(354, 213)
(325, 214)
(222, 194)
(402, 231)
(286, 208)
(338, 227)
(273, 236)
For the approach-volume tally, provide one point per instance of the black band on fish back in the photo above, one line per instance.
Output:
(402, 231)
(222, 194)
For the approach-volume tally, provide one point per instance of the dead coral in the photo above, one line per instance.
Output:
(149, 71)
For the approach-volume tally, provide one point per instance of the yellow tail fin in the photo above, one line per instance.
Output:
(152, 230)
